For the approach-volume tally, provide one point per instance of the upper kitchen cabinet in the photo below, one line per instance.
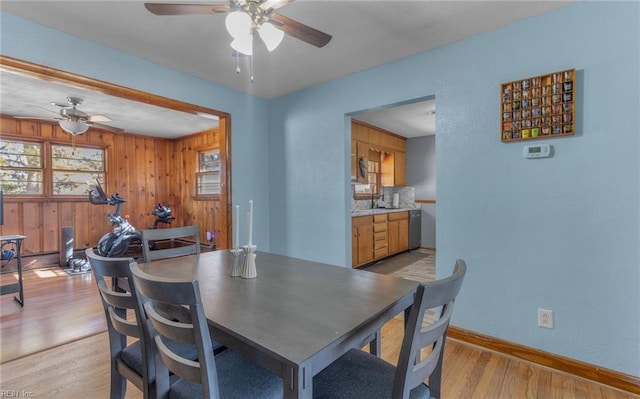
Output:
(377, 151)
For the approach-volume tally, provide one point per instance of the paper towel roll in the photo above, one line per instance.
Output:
(396, 200)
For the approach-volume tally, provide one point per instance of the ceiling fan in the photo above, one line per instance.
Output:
(72, 120)
(244, 17)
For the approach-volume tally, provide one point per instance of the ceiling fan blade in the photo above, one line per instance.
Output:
(98, 118)
(272, 5)
(44, 109)
(301, 31)
(185, 9)
(40, 118)
(105, 127)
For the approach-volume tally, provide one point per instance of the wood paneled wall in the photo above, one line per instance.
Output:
(208, 214)
(144, 170)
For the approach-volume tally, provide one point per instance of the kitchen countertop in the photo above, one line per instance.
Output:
(376, 211)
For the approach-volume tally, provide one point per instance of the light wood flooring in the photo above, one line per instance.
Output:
(80, 368)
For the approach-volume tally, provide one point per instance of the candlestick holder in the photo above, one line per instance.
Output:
(236, 269)
(249, 269)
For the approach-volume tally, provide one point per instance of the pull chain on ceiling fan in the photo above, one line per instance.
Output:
(244, 18)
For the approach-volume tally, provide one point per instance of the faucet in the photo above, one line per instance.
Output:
(372, 195)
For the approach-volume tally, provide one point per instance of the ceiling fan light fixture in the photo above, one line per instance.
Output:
(243, 44)
(238, 24)
(73, 127)
(270, 35)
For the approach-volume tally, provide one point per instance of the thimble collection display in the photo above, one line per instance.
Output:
(538, 107)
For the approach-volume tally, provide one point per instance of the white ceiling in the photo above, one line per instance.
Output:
(415, 119)
(365, 34)
(23, 96)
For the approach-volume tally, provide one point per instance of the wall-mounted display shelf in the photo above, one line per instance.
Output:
(538, 107)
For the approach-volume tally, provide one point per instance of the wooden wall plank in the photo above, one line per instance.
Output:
(12, 223)
(32, 226)
(50, 226)
(144, 170)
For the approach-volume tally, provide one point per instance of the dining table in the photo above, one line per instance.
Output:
(297, 316)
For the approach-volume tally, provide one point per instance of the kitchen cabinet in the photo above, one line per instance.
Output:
(380, 237)
(358, 150)
(400, 169)
(398, 232)
(382, 146)
(361, 240)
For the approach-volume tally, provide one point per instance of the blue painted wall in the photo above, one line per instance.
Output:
(559, 233)
(421, 174)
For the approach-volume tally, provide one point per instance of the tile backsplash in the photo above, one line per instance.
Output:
(407, 199)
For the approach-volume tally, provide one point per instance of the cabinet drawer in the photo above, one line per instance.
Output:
(398, 216)
(380, 218)
(380, 236)
(380, 253)
(378, 227)
(360, 221)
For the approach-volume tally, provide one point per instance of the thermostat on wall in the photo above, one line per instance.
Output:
(537, 151)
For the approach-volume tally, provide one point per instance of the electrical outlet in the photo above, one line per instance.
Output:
(545, 318)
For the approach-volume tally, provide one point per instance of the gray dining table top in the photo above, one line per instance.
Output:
(295, 309)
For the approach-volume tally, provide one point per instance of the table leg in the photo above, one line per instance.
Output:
(20, 298)
(298, 383)
(375, 345)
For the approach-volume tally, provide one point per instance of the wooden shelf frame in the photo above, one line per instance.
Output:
(538, 107)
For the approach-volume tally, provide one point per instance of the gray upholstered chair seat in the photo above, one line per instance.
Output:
(226, 375)
(131, 355)
(358, 374)
(238, 377)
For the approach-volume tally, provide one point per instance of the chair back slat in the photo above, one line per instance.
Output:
(124, 326)
(160, 290)
(125, 317)
(152, 236)
(118, 299)
(412, 370)
(178, 365)
(175, 330)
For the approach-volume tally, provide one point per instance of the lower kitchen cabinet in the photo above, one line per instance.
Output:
(378, 236)
(398, 232)
(361, 240)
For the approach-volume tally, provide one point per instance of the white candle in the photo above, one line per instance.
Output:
(250, 222)
(236, 228)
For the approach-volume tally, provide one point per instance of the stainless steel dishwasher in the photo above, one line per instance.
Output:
(415, 228)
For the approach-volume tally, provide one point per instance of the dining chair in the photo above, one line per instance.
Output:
(227, 375)
(358, 374)
(126, 319)
(150, 237)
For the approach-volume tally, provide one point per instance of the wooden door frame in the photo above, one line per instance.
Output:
(43, 72)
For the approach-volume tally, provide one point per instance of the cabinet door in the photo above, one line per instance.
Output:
(400, 169)
(354, 160)
(354, 244)
(361, 240)
(403, 234)
(365, 244)
(393, 237)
